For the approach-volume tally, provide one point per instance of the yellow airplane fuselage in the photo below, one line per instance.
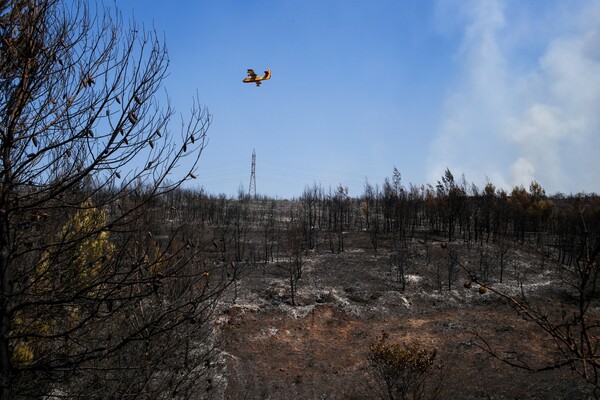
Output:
(257, 79)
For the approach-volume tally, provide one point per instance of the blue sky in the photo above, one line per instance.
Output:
(505, 91)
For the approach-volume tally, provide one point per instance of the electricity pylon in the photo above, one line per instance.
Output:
(252, 186)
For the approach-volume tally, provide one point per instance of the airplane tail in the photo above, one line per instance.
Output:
(268, 74)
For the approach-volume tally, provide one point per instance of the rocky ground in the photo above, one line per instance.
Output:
(319, 348)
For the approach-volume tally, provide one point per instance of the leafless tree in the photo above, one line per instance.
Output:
(451, 197)
(572, 325)
(311, 199)
(295, 242)
(401, 261)
(269, 229)
(371, 210)
(502, 254)
(338, 216)
(95, 300)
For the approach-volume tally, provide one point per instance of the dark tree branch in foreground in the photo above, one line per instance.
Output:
(94, 300)
(575, 332)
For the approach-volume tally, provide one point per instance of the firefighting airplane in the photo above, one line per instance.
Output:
(252, 77)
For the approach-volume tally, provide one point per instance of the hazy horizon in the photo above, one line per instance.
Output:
(500, 91)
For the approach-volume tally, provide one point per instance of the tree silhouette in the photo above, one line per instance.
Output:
(96, 300)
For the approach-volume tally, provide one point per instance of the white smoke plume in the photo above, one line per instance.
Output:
(517, 114)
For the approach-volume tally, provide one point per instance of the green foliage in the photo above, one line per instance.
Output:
(73, 265)
(403, 371)
(536, 190)
(490, 189)
(532, 205)
(91, 247)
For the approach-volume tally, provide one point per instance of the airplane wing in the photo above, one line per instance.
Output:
(251, 73)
